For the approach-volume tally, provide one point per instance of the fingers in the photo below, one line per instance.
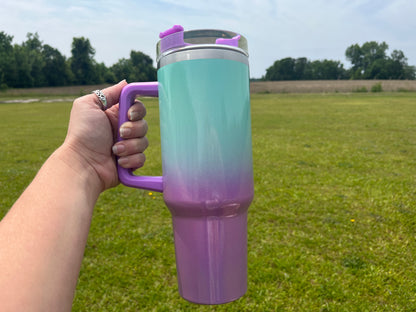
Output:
(130, 149)
(130, 152)
(133, 129)
(132, 161)
(137, 127)
(137, 111)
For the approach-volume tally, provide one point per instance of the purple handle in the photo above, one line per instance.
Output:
(127, 97)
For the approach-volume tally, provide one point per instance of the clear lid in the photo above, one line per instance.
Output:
(176, 38)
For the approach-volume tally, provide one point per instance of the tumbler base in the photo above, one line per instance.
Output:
(211, 257)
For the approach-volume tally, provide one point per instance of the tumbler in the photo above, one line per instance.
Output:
(207, 171)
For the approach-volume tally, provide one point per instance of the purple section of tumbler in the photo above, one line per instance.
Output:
(211, 258)
(211, 253)
(211, 242)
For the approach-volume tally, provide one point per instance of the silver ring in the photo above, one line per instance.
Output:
(102, 98)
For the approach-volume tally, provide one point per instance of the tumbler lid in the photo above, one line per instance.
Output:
(176, 38)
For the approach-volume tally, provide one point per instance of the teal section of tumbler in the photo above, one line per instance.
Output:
(206, 130)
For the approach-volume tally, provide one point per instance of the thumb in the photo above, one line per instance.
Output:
(112, 94)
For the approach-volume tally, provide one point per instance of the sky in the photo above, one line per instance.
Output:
(275, 29)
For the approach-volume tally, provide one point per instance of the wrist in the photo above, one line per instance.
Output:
(79, 169)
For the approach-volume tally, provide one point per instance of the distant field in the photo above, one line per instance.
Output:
(313, 86)
(329, 86)
(332, 226)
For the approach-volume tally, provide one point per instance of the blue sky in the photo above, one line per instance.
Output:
(316, 29)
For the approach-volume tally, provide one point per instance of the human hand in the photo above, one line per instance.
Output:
(92, 133)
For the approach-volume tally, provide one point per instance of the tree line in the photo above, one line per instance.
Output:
(34, 64)
(369, 61)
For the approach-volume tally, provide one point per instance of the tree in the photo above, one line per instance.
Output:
(104, 74)
(283, 69)
(32, 47)
(139, 67)
(303, 69)
(372, 52)
(34, 64)
(143, 69)
(121, 69)
(82, 61)
(56, 69)
(370, 61)
(24, 78)
(327, 70)
(399, 66)
(362, 57)
(8, 72)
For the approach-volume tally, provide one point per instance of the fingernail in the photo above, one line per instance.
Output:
(118, 148)
(124, 80)
(122, 161)
(124, 132)
(134, 116)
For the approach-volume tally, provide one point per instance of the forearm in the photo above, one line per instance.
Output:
(43, 237)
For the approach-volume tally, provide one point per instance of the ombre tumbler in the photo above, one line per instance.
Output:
(207, 182)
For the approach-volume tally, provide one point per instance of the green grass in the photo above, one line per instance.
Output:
(332, 226)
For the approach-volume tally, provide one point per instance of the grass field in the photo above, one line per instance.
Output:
(332, 226)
